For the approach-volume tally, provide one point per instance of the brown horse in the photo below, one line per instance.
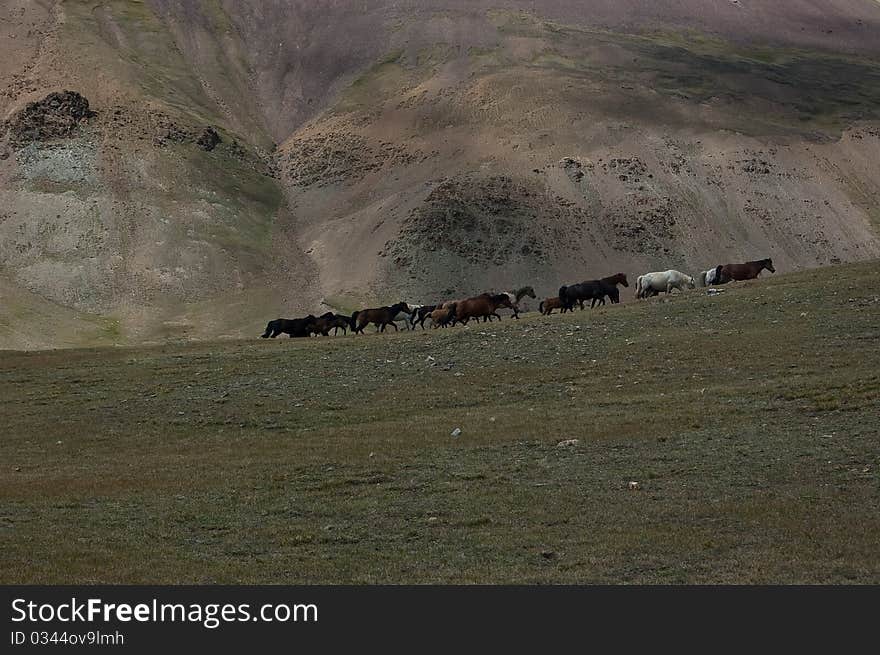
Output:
(617, 278)
(479, 306)
(443, 316)
(380, 317)
(747, 271)
(549, 304)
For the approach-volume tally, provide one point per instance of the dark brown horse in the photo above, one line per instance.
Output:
(380, 317)
(747, 271)
(321, 325)
(594, 290)
(330, 321)
(480, 306)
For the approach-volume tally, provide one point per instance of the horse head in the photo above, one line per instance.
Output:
(768, 264)
(690, 282)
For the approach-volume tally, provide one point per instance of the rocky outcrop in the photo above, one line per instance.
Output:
(56, 116)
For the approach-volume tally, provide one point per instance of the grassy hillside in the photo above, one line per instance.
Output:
(748, 420)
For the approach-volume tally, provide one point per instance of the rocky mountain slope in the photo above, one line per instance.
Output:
(186, 170)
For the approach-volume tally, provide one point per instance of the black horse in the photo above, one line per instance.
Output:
(295, 327)
(419, 315)
(594, 290)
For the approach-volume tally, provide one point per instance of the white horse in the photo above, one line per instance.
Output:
(710, 277)
(650, 284)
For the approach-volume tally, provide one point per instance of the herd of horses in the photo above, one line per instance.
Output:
(486, 305)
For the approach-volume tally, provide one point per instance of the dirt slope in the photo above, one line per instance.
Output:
(369, 151)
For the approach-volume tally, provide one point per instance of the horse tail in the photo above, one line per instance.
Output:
(353, 320)
(562, 295)
(541, 307)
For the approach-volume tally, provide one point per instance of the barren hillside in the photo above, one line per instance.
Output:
(219, 163)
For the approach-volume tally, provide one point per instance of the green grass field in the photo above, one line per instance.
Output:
(749, 419)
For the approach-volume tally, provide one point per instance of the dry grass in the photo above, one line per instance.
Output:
(749, 420)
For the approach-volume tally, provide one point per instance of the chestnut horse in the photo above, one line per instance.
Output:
(443, 316)
(549, 304)
(479, 306)
(747, 271)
